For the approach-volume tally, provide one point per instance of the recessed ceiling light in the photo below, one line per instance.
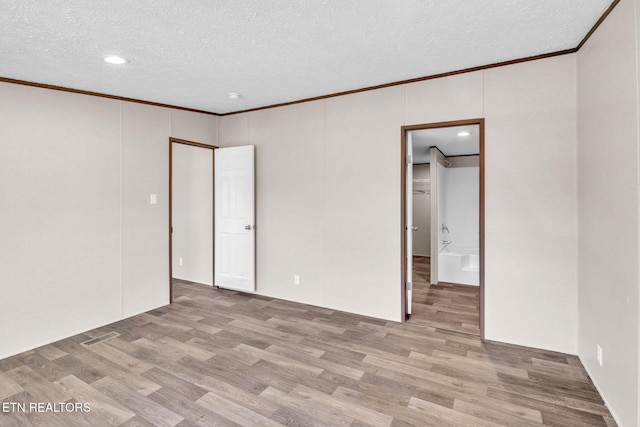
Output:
(234, 95)
(465, 133)
(117, 60)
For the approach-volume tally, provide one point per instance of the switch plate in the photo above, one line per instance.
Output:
(180, 262)
(153, 199)
(296, 279)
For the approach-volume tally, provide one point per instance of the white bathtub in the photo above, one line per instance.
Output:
(459, 265)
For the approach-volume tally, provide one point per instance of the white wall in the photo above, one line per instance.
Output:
(422, 212)
(530, 204)
(608, 210)
(60, 215)
(81, 245)
(461, 206)
(144, 244)
(192, 213)
(440, 206)
(328, 195)
(437, 180)
(361, 175)
(314, 205)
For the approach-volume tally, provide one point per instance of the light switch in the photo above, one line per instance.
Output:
(153, 199)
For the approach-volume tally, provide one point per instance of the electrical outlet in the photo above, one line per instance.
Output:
(296, 279)
(599, 349)
(180, 262)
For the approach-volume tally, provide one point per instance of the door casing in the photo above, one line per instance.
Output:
(403, 206)
(194, 144)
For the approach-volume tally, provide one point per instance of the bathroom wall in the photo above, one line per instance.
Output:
(437, 176)
(421, 212)
(442, 197)
(461, 202)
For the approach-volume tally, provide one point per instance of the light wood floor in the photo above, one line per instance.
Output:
(446, 306)
(217, 357)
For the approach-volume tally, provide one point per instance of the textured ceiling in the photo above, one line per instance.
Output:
(193, 53)
(447, 141)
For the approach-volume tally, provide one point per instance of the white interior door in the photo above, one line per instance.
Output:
(234, 247)
(409, 222)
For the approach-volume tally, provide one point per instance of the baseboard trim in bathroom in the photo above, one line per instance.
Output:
(456, 284)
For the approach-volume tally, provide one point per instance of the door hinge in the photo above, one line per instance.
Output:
(408, 285)
(409, 159)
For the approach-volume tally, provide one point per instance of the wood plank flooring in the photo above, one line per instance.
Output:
(221, 358)
(445, 306)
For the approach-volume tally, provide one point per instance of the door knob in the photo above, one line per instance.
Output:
(414, 228)
(247, 227)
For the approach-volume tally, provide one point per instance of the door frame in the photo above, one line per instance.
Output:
(173, 140)
(403, 203)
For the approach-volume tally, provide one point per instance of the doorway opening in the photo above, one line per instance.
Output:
(442, 250)
(191, 210)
